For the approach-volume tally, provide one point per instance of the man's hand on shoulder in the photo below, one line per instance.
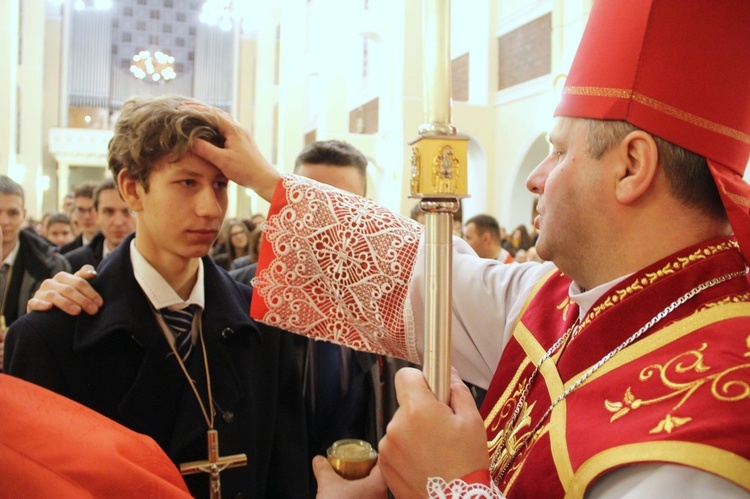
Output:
(71, 293)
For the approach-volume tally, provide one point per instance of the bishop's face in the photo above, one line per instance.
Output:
(572, 189)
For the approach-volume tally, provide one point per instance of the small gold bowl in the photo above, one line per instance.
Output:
(352, 458)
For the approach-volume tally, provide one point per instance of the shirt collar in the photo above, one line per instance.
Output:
(106, 251)
(156, 288)
(11, 258)
(586, 298)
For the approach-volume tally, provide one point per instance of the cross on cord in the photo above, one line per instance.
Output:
(214, 465)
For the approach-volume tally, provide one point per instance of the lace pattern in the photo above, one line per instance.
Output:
(437, 488)
(341, 269)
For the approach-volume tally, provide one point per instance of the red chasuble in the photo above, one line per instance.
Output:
(51, 446)
(338, 268)
(679, 394)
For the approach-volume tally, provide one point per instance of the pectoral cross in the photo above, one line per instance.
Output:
(214, 465)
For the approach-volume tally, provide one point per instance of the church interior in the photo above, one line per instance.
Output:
(292, 71)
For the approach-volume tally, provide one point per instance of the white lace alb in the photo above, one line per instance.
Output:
(341, 269)
(437, 488)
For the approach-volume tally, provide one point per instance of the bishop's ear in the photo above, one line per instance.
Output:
(639, 158)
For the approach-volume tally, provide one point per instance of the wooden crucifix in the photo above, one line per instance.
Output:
(214, 465)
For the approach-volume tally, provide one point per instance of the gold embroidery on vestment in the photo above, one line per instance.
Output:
(518, 434)
(564, 306)
(669, 423)
(743, 298)
(692, 361)
(639, 284)
(533, 350)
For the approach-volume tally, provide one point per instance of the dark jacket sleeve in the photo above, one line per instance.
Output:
(32, 348)
(59, 264)
(77, 259)
(290, 467)
(31, 281)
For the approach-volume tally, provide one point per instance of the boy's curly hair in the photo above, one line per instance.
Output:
(152, 128)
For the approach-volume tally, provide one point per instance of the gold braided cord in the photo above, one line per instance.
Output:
(619, 93)
(740, 200)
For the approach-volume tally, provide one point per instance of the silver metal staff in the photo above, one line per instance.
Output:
(438, 178)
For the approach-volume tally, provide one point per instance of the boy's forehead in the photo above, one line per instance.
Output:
(189, 164)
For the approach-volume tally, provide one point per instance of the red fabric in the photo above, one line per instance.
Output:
(478, 476)
(51, 446)
(668, 412)
(678, 69)
(735, 193)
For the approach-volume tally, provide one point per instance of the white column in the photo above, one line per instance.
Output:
(8, 82)
(63, 183)
(334, 42)
(266, 93)
(245, 110)
(52, 97)
(292, 103)
(31, 85)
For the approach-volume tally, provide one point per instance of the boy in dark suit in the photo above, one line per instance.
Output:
(173, 354)
(25, 258)
(115, 223)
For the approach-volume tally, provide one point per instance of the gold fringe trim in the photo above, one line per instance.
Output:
(740, 200)
(619, 93)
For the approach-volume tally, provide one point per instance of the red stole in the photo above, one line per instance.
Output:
(679, 394)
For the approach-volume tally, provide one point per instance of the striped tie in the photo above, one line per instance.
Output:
(180, 322)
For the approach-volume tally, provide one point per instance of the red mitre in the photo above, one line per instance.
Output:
(679, 69)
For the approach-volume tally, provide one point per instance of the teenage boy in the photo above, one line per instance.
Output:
(82, 217)
(115, 223)
(217, 370)
(27, 259)
(59, 230)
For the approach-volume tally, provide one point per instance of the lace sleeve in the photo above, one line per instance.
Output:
(437, 488)
(337, 267)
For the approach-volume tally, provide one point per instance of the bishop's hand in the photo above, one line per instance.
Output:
(240, 159)
(427, 438)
